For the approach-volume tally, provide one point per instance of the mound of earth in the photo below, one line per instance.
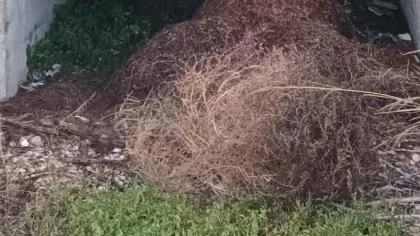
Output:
(182, 132)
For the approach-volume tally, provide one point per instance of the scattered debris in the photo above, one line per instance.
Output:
(56, 68)
(386, 4)
(376, 11)
(406, 37)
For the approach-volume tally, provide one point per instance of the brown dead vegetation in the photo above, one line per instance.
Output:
(253, 96)
(218, 25)
(267, 123)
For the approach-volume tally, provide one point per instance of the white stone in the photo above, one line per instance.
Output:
(406, 37)
(42, 167)
(117, 150)
(90, 169)
(21, 171)
(91, 152)
(122, 177)
(12, 144)
(416, 157)
(121, 158)
(23, 142)
(36, 141)
(101, 188)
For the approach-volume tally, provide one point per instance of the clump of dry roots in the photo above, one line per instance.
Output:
(252, 120)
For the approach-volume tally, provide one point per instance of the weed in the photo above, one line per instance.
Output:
(93, 36)
(141, 210)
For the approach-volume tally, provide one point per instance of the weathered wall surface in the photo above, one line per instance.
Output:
(411, 10)
(22, 22)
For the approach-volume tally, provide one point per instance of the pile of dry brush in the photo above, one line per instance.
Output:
(261, 96)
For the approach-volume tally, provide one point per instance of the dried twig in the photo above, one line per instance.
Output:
(403, 201)
(6, 207)
(90, 161)
(80, 108)
(28, 126)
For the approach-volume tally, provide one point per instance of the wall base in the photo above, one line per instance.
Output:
(22, 23)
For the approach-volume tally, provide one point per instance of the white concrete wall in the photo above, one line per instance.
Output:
(411, 10)
(2, 49)
(22, 22)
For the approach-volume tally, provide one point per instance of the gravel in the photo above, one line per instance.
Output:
(33, 164)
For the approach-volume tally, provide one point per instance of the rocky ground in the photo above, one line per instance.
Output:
(35, 162)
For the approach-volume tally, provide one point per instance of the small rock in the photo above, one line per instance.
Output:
(23, 142)
(15, 160)
(120, 158)
(91, 152)
(73, 171)
(122, 177)
(46, 122)
(21, 171)
(36, 141)
(42, 167)
(90, 169)
(12, 144)
(416, 157)
(114, 156)
(117, 150)
(118, 181)
(101, 188)
(14, 178)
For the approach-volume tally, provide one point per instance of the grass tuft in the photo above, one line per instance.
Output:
(141, 210)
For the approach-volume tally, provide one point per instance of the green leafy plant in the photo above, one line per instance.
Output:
(142, 210)
(90, 37)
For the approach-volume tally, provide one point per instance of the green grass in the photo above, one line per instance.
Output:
(141, 210)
